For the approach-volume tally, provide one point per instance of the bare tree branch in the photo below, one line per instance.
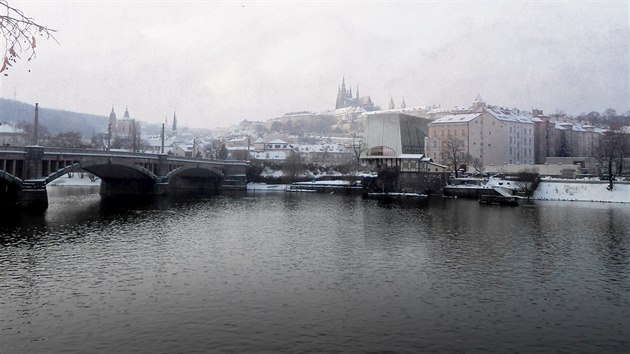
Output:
(20, 34)
(454, 151)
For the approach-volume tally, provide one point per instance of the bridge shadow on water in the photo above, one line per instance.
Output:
(73, 209)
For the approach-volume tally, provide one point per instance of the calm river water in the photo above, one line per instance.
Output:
(282, 272)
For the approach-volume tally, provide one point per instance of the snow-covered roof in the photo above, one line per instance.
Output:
(408, 110)
(6, 128)
(185, 147)
(411, 156)
(456, 118)
(270, 155)
(277, 141)
(239, 148)
(323, 148)
(509, 115)
(351, 109)
(576, 127)
(237, 138)
(297, 114)
(259, 140)
(156, 141)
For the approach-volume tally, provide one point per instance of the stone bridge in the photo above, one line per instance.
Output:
(25, 172)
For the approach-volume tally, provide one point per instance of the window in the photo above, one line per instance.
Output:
(381, 151)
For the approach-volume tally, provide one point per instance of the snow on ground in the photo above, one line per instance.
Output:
(267, 187)
(583, 190)
(75, 180)
(324, 183)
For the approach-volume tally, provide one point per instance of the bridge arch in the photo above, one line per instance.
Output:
(199, 179)
(194, 171)
(109, 171)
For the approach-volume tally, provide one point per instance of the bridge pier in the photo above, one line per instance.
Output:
(33, 162)
(195, 184)
(133, 187)
(32, 195)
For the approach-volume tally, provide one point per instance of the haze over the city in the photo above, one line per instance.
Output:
(217, 63)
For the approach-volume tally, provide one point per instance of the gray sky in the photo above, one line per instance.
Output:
(217, 63)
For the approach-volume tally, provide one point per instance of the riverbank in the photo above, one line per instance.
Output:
(582, 190)
(76, 179)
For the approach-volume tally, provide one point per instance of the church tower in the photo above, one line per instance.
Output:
(346, 98)
(174, 121)
(341, 95)
(479, 105)
(391, 103)
(112, 128)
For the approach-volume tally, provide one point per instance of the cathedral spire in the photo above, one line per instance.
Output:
(126, 115)
(391, 103)
(403, 104)
(174, 121)
(343, 85)
(357, 91)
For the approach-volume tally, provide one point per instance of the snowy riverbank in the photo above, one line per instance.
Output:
(76, 180)
(582, 190)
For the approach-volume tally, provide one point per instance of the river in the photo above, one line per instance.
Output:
(278, 272)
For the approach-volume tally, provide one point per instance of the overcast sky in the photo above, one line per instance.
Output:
(217, 63)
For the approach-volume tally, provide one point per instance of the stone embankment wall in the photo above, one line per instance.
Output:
(422, 182)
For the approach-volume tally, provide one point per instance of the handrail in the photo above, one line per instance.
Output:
(48, 151)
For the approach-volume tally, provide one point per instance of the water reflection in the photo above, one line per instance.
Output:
(313, 272)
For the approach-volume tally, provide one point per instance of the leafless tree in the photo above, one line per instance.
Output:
(612, 149)
(454, 149)
(475, 163)
(20, 33)
(293, 166)
(357, 149)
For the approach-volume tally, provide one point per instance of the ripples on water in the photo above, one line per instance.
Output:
(311, 272)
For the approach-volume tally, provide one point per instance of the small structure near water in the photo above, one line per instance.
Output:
(347, 187)
(499, 200)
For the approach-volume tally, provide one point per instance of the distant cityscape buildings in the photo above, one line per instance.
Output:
(412, 139)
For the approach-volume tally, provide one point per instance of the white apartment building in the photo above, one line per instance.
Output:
(493, 135)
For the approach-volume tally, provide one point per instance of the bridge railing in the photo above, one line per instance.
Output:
(218, 162)
(122, 153)
(11, 148)
(78, 151)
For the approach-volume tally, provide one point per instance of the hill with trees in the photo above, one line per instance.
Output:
(55, 121)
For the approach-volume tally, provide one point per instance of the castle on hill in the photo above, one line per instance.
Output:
(346, 99)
